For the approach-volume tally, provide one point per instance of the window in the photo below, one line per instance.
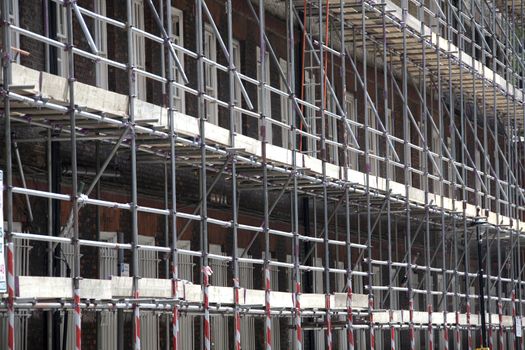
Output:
(263, 95)
(237, 95)
(422, 156)
(61, 30)
(352, 115)
(407, 125)
(285, 111)
(139, 50)
(219, 324)
(450, 167)
(149, 322)
(331, 125)
(309, 113)
(477, 181)
(186, 321)
(22, 261)
(436, 148)
(102, 44)
(390, 128)
(108, 266)
(276, 328)
(319, 335)
(210, 52)
(14, 20)
(177, 36)
(372, 141)
(246, 273)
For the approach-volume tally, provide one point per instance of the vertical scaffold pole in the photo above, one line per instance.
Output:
(263, 136)
(132, 93)
(368, 168)
(10, 296)
(349, 292)
(441, 126)
(519, 160)
(201, 113)
(389, 174)
(173, 184)
(74, 177)
(322, 115)
(452, 189)
(296, 249)
(407, 176)
(425, 181)
(6, 73)
(235, 256)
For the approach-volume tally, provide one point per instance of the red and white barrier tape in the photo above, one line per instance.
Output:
(175, 317)
(11, 296)
(328, 322)
(136, 317)
(445, 331)
(372, 333)
(430, 332)
(350, 317)
(500, 331)
(469, 333)
(298, 327)
(78, 319)
(491, 346)
(411, 324)
(513, 298)
(237, 319)
(207, 272)
(457, 333)
(267, 308)
(392, 331)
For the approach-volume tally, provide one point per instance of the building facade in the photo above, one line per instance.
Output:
(278, 174)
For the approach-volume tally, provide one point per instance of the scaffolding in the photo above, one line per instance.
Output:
(400, 164)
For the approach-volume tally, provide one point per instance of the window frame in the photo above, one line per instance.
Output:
(350, 102)
(285, 108)
(179, 96)
(139, 49)
(237, 94)
(101, 41)
(61, 36)
(310, 113)
(210, 76)
(264, 94)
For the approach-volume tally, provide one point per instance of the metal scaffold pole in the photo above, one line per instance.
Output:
(322, 116)
(132, 95)
(296, 243)
(407, 177)
(233, 159)
(264, 132)
(74, 177)
(202, 111)
(6, 82)
(172, 219)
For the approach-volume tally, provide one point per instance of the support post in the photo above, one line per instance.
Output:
(201, 114)
(132, 93)
(481, 293)
(77, 317)
(174, 270)
(232, 75)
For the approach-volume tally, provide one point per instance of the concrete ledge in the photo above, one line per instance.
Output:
(421, 318)
(121, 287)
